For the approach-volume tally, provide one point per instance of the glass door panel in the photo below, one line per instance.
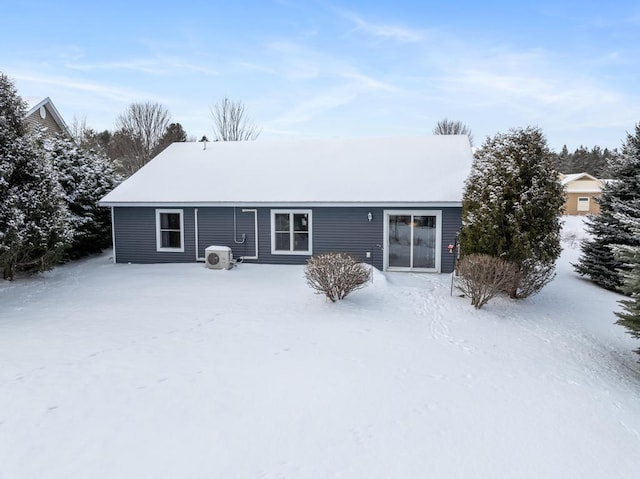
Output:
(424, 242)
(399, 241)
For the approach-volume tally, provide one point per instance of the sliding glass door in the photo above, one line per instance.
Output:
(413, 240)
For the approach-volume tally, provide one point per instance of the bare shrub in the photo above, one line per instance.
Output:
(336, 274)
(532, 277)
(481, 277)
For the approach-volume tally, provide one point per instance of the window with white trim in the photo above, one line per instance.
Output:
(169, 230)
(583, 203)
(291, 232)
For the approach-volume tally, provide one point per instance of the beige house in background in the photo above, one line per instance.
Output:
(42, 113)
(582, 189)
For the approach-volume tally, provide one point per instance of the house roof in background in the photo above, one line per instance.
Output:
(577, 176)
(581, 183)
(425, 169)
(35, 102)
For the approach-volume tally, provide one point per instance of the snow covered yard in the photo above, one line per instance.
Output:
(176, 371)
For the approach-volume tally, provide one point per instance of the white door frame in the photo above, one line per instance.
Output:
(438, 252)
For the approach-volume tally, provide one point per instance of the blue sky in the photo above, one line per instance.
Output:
(338, 68)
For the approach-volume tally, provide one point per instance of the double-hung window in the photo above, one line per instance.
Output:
(291, 232)
(169, 230)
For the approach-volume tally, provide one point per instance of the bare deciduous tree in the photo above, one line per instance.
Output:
(141, 128)
(450, 127)
(79, 129)
(87, 138)
(230, 122)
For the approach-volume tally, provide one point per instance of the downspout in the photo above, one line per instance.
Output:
(113, 234)
(195, 220)
(255, 215)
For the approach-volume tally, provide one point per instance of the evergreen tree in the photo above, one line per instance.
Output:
(563, 161)
(598, 261)
(12, 112)
(629, 215)
(512, 205)
(173, 133)
(33, 219)
(85, 176)
(582, 160)
(34, 222)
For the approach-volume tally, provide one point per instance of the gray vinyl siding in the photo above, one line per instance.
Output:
(333, 229)
(451, 224)
(216, 227)
(135, 236)
(344, 229)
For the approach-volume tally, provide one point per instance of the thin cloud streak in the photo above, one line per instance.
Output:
(350, 71)
(387, 32)
(154, 66)
(106, 91)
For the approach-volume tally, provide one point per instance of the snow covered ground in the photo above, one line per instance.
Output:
(176, 371)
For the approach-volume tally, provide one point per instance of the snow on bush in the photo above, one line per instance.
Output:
(481, 277)
(336, 274)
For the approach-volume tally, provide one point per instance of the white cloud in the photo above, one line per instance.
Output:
(369, 83)
(145, 66)
(100, 89)
(388, 32)
(256, 67)
(155, 66)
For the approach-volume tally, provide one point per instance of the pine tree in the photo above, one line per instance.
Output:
(174, 133)
(85, 176)
(582, 160)
(512, 205)
(598, 261)
(563, 161)
(629, 215)
(33, 219)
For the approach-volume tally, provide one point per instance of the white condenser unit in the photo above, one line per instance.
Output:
(218, 257)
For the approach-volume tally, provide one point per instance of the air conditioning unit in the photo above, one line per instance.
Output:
(218, 257)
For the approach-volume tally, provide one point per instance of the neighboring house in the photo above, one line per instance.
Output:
(582, 189)
(393, 202)
(42, 113)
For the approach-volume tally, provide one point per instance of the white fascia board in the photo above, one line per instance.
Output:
(58, 118)
(292, 204)
(36, 106)
(54, 111)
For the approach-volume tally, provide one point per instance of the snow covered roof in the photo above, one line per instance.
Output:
(581, 183)
(426, 169)
(35, 102)
(577, 176)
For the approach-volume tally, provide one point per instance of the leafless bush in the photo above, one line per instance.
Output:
(336, 274)
(481, 277)
(532, 277)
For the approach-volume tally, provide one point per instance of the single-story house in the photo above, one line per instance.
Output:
(582, 189)
(393, 202)
(41, 112)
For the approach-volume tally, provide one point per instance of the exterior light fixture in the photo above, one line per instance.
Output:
(369, 216)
